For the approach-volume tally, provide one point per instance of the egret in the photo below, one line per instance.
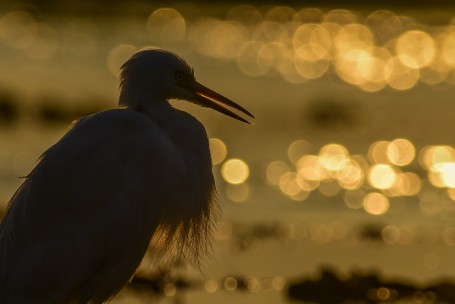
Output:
(119, 181)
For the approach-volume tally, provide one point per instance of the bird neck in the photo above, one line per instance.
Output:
(156, 108)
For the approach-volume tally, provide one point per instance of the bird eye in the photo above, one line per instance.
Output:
(179, 76)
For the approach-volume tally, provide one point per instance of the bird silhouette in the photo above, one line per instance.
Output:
(78, 227)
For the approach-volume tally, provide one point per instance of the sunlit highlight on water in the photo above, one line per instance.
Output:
(166, 25)
(218, 150)
(211, 286)
(385, 50)
(117, 56)
(17, 29)
(377, 153)
(275, 170)
(381, 176)
(415, 49)
(400, 152)
(235, 171)
(366, 183)
(370, 52)
(376, 203)
(238, 193)
(230, 284)
(252, 284)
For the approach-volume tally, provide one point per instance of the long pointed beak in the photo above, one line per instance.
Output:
(209, 98)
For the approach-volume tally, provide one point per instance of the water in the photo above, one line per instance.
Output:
(266, 238)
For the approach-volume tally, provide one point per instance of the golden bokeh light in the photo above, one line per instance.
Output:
(446, 171)
(237, 193)
(448, 47)
(211, 286)
(341, 16)
(297, 149)
(275, 170)
(400, 76)
(117, 56)
(309, 15)
(254, 58)
(415, 49)
(408, 184)
(17, 29)
(218, 39)
(373, 69)
(451, 193)
(350, 63)
(166, 25)
(400, 152)
(329, 188)
(235, 171)
(382, 176)
(301, 196)
(353, 36)
(377, 153)
(431, 155)
(333, 157)
(270, 32)
(218, 150)
(307, 185)
(284, 64)
(435, 179)
(45, 44)
(288, 184)
(310, 69)
(370, 52)
(245, 14)
(385, 24)
(312, 42)
(281, 14)
(230, 283)
(310, 169)
(383, 293)
(440, 163)
(435, 73)
(351, 176)
(376, 203)
(252, 284)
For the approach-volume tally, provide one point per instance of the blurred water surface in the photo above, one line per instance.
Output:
(350, 161)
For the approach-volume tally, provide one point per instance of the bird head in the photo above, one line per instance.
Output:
(162, 75)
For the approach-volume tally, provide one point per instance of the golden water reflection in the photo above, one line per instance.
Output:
(365, 182)
(372, 51)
